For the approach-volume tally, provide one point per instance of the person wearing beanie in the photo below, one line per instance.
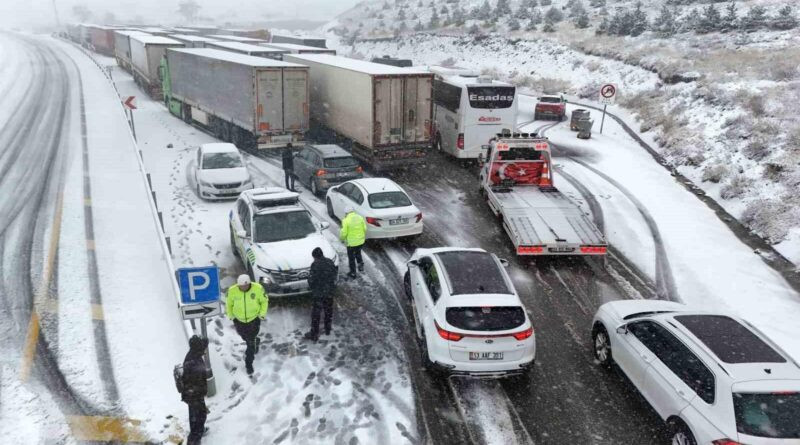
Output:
(246, 305)
(322, 281)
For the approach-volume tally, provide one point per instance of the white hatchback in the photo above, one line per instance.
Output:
(384, 204)
(220, 172)
(467, 314)
(714, 378)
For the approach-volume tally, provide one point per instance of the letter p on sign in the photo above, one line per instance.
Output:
(198, 284)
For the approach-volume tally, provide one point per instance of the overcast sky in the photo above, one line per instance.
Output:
(34, 12)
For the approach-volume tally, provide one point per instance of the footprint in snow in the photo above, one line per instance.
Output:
(309, 379)
(307, 405)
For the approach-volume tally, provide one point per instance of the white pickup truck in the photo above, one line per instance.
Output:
(517, 182)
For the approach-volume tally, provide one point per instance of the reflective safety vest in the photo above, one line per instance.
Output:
(354, 230)
(246, 306)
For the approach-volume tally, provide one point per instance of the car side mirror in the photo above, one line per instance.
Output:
(622, 329)
(504, 262)
(324, 225)
(241, 234)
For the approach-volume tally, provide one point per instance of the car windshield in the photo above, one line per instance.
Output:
(473, 273)
(520, 154)
(273, 227)
(221, 160)
(342, 162)
(550, 100)
(774, 415)
(387, 200)
(499, 318)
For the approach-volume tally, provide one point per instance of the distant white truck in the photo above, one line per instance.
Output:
(540, 220)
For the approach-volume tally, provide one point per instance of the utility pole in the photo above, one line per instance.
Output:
(55, 11)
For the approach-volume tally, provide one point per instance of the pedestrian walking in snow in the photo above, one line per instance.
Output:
(246, 305)
(322, 281)
(288, 167)
(195, 380)
(353, 234)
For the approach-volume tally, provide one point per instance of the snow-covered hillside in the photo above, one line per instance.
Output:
(714, 86)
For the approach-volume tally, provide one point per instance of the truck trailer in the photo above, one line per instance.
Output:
(249, 49)
(146, 54)
(517, 182)
(299, 49)
(252, 102)
(192, 41)
(122, 47)
(101, 39)
(307, 41)
(381, 113)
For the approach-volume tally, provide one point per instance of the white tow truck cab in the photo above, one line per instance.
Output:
(517, 182)
(273, 233)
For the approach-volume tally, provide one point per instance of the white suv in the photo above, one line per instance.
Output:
(712, 377)
(274, 234)
(467, 314)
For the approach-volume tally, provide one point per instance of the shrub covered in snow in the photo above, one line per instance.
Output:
(735, 187)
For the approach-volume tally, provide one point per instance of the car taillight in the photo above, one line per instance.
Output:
(374, 221)
(524, 334)
(460, 142)
(593, 249)
(725, 442)
(529, 250)
(359, 169)
(419, 217)
(321, 172)
(447, 335)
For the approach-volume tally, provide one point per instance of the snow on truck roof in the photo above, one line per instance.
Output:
(147, 39)
(249, 47)
(191, 38)
(295, 46)
(241, 59)
(356, 65)
(237, 38)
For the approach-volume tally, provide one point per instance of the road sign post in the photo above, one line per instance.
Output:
(200, 299)
(608, 93)
(130, 104)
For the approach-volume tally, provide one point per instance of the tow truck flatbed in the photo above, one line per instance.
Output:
(538, 218)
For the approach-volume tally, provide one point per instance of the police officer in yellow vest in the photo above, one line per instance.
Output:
(247, 305)
(353, 234)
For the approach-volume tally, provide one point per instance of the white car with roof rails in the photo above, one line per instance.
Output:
(386, 207)
(467, 314)
(273, 233)
(220, 172)
(714, 378)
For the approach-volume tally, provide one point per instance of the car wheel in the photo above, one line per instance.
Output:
(314, 187)
(199, 195)
(430, 367)
(233, 246)
(602, 346)
(407, 284)
(250, 273)
(681, 434)
(329, 205)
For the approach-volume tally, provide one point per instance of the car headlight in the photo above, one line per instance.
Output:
(267, 278)
(203, 183)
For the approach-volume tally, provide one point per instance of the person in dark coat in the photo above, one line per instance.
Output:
(322, 281)
(288, 167)
(195, 381)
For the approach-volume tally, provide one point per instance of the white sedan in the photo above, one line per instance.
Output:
(467, 314)
(386, 207)
(220, 172)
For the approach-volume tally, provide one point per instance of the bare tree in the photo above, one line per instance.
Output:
(82, 13)
(189, 9)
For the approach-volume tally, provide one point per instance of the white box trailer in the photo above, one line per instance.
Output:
(249, 49)
(381, 113)
(192, 41)
(294, 48)
(146, 54)
(253, 102)
(243, 39)
(122, 47)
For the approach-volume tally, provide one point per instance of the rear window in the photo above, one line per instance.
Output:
(342, 162)
(473, 273)
(500, 318)
(387, 200)
(550, 100)
(768, 415)
(520, 154)
(730, 340)
(491, 97)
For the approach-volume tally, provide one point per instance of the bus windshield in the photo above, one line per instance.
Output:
(493, 97)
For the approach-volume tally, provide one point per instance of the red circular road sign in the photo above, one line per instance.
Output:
(608, 91)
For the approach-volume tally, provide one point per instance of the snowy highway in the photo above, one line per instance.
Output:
(88, 305)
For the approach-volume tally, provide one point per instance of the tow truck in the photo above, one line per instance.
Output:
(517, 183)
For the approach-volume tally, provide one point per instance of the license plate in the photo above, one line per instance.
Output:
(486, 356)
(561, 249)
(397, 222)
(282, 138)
(342, 175)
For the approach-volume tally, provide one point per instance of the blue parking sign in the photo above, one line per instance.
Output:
(198, 284)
